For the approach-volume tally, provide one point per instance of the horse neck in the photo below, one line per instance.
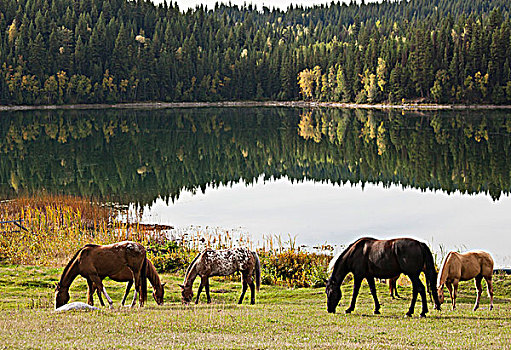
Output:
(340, 271)
(152, 275)
(190, 276)
(444, 271)
(69, 274)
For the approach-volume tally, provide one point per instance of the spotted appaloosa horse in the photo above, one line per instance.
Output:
(95, 262)
(225, 262)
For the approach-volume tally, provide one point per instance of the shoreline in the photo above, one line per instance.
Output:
(289, 104)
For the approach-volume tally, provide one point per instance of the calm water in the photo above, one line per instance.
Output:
(320, 176)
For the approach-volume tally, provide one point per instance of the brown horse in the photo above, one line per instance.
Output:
(125, 275)
(368, 258)
(95, 262)
(222, 263)
(463, 267)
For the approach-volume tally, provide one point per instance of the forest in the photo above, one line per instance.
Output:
(103, 51)
(137, 156)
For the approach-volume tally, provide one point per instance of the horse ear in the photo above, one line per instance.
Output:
(163, 284)
(182, 287)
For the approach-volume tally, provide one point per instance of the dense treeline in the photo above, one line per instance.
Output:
(69, 51)
(138, 156)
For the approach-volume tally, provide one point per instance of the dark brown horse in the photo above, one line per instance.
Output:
(95, 262)
(126, 276)
(369, 258)
(222, 263)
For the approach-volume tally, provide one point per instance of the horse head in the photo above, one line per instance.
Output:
(186, 294)
(440, 291)
(61, 295)
(333, 296)
(158, 294)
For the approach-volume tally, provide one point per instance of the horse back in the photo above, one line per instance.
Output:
(474, 263)
(388, 258)
(224, 262)
(111, 260)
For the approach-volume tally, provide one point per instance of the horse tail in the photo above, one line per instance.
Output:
(257, 270)
(430, 272)
(143, 280)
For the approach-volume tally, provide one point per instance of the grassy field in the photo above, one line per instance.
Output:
(282, 318)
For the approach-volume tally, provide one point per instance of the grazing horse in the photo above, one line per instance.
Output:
(369, 258)
(95, 262)
(125, 275)
(222, 263)
(463, 267)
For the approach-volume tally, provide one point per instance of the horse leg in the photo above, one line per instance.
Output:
(98, 293)
(415, 291)
(478, 280)
(449, 287)
(372, 287)
(100, 286)
(424, 299)
(490, 290)
(251, 284)
(244, 290)
(356, 287)
(202, 279)
(207, 290)
(128, 288)
(90, 292)
(454, 293)
(394, 286)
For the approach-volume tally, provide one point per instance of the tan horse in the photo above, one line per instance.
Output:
(95, 262)
(222, 263)
(125, 275)
(463, 267)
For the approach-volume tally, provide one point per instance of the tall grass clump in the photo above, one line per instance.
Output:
(57, 226)
(286, 264)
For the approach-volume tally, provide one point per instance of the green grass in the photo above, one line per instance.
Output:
(282, 318)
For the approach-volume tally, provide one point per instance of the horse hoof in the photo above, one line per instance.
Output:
(377, 312)
(408, 314)
(422, 316)
(348, 311)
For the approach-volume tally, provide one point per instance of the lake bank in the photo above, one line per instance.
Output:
(292, 104)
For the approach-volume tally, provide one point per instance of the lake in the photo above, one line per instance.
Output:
(315, 175)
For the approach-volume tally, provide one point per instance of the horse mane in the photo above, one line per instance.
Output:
(70, 263)
(441, 274)
(340, 255)
(152, 274)
(191, 265)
